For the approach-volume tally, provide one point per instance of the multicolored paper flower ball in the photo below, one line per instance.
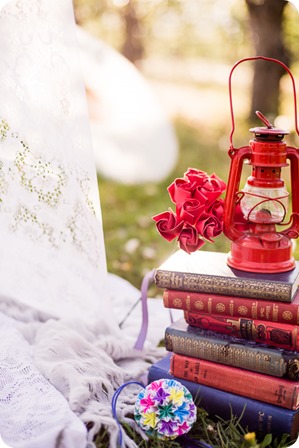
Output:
(165, 409)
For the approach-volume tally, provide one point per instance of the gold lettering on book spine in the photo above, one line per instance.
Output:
(188, 302)
(166, 299)
(222, 352)
(220, 307)
(268, 312)
(254, 310)
(269, 423)
(287, 315)
(243, 310)
(199, 305)
(177, 303)
(231, 307)
(293, 369)
(223, 285)
(168, 342)
(275, 312)
(171, 280)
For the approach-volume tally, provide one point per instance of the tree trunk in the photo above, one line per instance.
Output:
(132, 48)
(266, 20)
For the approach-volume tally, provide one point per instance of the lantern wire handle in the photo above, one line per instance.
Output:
(231, 100)
(264, 119)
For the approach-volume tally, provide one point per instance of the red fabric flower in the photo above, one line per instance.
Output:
(188, 240)
(196, 177)
(212, 188)
(199, 211)
(191, 210)
(217, 209)
(180, 190)
(209, 226)
(168, 225)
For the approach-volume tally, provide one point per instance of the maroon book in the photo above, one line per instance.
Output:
(271, 333)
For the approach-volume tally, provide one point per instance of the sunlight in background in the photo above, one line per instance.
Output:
(296, 3)
(120, 3)
(3, 3)
(186, 51)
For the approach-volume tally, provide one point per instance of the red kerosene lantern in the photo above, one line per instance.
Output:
(257, 245)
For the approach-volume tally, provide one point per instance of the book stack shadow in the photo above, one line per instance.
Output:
(237, 347)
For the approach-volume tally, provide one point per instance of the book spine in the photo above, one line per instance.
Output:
(232, 306)
(277, 391)
(252, 288)
(271, 333)
(262, 418)
(251, 356)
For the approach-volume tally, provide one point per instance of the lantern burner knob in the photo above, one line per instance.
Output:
(269, 132)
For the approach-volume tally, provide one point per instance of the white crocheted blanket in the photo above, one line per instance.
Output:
(58, 377)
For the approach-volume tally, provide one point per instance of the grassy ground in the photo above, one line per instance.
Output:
(217, 434)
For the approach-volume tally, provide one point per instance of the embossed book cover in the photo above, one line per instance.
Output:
(204, 271)
(278, 391)
(225, 349)
(207, 303)
(271, 333)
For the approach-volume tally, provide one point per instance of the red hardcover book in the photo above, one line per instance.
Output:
(255, 415)
(274, 334)
(257, 386)
(195, 302)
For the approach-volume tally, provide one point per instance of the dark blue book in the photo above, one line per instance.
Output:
(261, 418)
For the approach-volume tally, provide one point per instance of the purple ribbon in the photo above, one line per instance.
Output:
(113, 404)
(147, 279)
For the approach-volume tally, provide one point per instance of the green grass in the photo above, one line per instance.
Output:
(218, 433)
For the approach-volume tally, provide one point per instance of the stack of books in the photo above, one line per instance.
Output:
(235, 349)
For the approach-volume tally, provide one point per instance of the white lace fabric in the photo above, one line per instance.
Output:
(50, 214)
(33, 413)
(62, 354)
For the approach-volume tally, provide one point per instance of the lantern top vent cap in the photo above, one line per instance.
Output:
(269, 130)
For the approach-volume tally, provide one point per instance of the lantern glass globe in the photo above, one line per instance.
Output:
(264, 205)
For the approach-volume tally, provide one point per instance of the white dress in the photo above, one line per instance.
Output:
(62, 354)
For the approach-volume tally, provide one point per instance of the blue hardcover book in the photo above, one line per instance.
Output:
(262, 418)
